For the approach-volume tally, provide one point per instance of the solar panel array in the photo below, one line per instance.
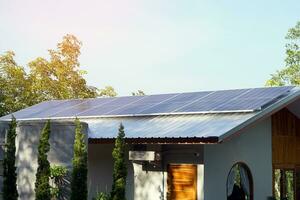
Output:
(194, 102)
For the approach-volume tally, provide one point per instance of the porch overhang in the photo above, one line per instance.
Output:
(180, 140)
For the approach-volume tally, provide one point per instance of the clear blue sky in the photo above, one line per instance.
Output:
(158, 46)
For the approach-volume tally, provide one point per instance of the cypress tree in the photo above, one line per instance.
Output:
(79, 172)
(120, 169)
(9, 189)
(42, 186)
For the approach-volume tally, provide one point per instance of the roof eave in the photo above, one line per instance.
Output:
(261, 115)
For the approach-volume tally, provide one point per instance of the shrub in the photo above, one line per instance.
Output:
(42, 186)
(79, 172)
(102, 196)
(120, 169)
(9, 189)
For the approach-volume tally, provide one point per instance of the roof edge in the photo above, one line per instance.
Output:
(180, 140)
(262, 114)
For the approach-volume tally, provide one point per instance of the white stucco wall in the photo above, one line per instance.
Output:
(100, 170)
(152, 184)
(252, 147)
(27, 141)
(143, 183)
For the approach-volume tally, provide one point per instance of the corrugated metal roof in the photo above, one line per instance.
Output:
(205, 125)
(175, 125)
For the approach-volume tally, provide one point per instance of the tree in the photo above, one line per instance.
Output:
(14, 85)
(120, 169)
(138, 93)
(42, 186)
(290, 75)
(9, 190)
(108, 91)
(58, 77)
(79, 172)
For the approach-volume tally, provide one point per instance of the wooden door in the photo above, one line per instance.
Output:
(182, 182)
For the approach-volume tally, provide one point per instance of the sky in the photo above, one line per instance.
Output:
(158, 46)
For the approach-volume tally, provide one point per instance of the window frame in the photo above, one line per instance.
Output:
(287, 167)
(250, 177)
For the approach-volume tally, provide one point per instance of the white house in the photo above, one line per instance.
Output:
(208, 145)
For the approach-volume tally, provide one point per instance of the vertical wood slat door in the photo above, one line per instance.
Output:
(182, 182)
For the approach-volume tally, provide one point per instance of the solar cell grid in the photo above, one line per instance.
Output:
(34, 110)
(211, 101)
(272, 92)
(82, 107)
(139, 106)
(217, 101)
(175, 103)
(57, 108)
(243, 104)
(117, 103)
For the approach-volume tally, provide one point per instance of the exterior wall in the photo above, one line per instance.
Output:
(252, 147)
(150, 183)
(144, 181)
(100, 170)
(61, 152)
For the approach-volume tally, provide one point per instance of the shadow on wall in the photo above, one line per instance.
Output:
(61, 153)
(148, 183)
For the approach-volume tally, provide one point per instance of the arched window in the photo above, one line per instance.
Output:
(239, 183)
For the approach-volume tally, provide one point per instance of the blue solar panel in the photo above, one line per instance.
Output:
(174, 103)
(116, 103)
(145, 103)
(57, 108)
(83, 107)
(211, 101)
(234, 100)
(34, 110)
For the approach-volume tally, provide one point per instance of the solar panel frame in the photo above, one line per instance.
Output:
(103, 109)
(139, 106)
(239, 100)
(178, 101)
(84, 106)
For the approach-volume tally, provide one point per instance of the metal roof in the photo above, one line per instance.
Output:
(174, 125)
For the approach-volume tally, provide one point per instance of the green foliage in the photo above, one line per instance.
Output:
(102, 196)
(58, 77)
(42, 186)
(120, 169)
(79, 172)
(58, 175)
(108, 91)
(14, 85)
(9, 189)
(138, 93)
(290, 75)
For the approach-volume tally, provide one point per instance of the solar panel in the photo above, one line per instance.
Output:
(253, 99)
(117, 103)
(139, 106)
(57, 108)
(83, 107)
(175, 103)
(34, 110)
(209, 101)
